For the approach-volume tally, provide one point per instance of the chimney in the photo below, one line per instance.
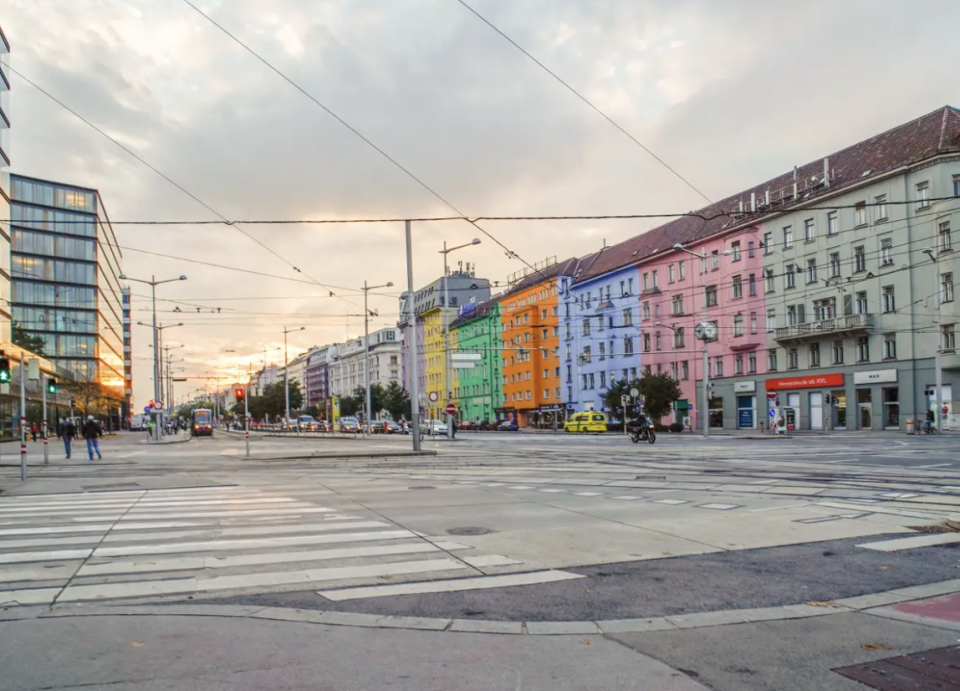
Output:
(753, 202)
(826, 171)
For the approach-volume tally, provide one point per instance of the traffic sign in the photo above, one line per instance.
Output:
(451, 409)
(434, 397)
(634, 392)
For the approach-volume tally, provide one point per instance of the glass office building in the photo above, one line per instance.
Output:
(4, 192)
(64, 265)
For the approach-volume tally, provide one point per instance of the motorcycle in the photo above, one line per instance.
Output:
(643, 430)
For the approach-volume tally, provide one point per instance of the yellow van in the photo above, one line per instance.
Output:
(586, 422)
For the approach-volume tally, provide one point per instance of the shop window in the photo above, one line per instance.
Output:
(891, 407)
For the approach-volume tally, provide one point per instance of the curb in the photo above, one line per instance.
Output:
(343, 456)
(860, 603)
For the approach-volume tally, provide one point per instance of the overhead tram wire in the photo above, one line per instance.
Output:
(510, 253)
(587, 101)
(163, 175)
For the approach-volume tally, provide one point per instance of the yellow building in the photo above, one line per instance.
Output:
(434, 362)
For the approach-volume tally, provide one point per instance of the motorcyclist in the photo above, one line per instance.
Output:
(928, 423)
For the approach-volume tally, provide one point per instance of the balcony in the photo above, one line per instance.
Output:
(812, 331)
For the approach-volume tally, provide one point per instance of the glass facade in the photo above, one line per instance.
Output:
(4, 192)
(65, 266)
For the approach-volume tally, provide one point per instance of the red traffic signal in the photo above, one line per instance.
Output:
(240, 394)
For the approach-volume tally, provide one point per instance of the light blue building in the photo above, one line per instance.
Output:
(601, 330)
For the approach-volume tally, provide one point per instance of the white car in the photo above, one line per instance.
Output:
(434, 427)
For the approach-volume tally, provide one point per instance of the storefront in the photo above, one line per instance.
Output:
(805, 402)
(746, 396)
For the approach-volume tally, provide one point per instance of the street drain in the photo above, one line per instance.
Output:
(422, 487)
(469, 530)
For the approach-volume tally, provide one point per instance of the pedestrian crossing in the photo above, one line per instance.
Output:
(210, 541)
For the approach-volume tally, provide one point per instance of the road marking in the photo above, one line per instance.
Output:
(448, 586)
(588, 494)
(551, 491)
(912, 542)
(217, 531)
(484, 560)
(675, 502)
(214, 514)
(30, 596)
(935, 465)
(717, 507)
(627, 497)
(55, 555)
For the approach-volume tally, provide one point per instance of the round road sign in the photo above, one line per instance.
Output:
(451, 409)
(634, 392)
(434, 396)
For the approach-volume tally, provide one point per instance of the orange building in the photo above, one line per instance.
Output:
(530, 320)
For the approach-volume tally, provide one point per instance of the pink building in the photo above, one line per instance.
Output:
(674, 285)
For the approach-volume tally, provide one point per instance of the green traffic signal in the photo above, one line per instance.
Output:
(51, 386)
(4, 370)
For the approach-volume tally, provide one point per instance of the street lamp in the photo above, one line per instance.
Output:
(705, 399)
(676, 373)
(444, 313)
(286, 373)
(366, 349)
(158, 359)
(938, 370)
(153, 283)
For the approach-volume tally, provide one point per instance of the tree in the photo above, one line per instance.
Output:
(396, 401)
(26, 340)
(613, 400)
(659, 392)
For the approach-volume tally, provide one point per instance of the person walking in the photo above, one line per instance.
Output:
(91, 432)
(67, 431)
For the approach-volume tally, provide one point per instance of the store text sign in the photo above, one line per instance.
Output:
(805, 382)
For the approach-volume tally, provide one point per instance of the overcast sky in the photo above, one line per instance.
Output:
(729, 93)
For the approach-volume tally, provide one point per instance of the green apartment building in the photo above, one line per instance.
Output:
(478, 391)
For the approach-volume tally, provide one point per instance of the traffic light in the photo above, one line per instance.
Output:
(51, 386)
(4, 370)
(240, 394)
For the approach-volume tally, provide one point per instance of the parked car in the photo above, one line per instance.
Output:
(385, 427)
(348, 424)
(434, 427)
(590, 421)
(509, 426)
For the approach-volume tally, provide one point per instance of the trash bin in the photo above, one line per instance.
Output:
(911, 426)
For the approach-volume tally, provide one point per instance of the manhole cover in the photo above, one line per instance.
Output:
(469, 530)
(422, 487)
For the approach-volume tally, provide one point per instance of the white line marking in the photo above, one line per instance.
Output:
(230, 514)
(675, 502)
(448, 586)
(215, 531)
(32, 596)
(912, 542)
(588, 494)
(717, 507)
(55, 555)
(484, 560)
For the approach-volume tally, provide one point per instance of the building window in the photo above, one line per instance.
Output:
(838, 352)
(737, 287)
(771, 360)
(711, 292)
(656, 311)
(771, 320)
(601, 352)
(603, 379)
(656, 283)
(768, 280)
(715, 260)
(948, 341)
(738, 325)
(862, 302)
(674, 374)
(944, 237)
(657, 341)
(628, 345)
(859, 259)
(591, 380)
(677, 305)
(880, 208)
(788, 237)
(678, 337)
(923, 194)
(719, 366)
(860, 214)
(825, 309)
(793, 358)
(628, 317)
(946, 287)
(646, 281)
(751, 363)
(886, 252)
(738, 364)
(703, 265)
(587, 355)
(863, 349)
(809, 230)
(751, 249)
(956, 185)
(752, 285)
(680, 270)
(684, 370)
(833, 223)
(735, 249)
(835, 265)
(889, 346)
(670, 274)
(790, 277)
(814, 354)
(586, 327)
(889, 299)
(630, 286)
(767, 243)
(811, 271)
(646, 310)
(646, 343)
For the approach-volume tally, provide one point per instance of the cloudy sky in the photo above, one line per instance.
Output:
(728, 93)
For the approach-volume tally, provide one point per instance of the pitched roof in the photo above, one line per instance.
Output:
(482, 310)
(929, 135)
(565, 268)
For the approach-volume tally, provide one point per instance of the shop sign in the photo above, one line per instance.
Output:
(812, 382)
(877, 376)
(744, 387)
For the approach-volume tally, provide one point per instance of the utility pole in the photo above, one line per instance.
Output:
(938, 369)
(366, 350)
(286, 374)
(46, 451)
(23, 416)
(444, 317)
(412, 331)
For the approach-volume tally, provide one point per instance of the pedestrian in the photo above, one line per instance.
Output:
(33, 431)
(150, 429)
(91, 431)
(68, 432)
(453, 427)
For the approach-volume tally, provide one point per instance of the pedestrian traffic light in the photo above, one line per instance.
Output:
(4, 370)
(240, 394)
(51, 386)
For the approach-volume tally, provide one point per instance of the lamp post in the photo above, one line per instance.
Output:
(444, 313)
(157, 361)
(676, 366)
(938, 370)
(153, 283)
(366, 350)
(705, 398)
(286, 374)
(411, 317)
